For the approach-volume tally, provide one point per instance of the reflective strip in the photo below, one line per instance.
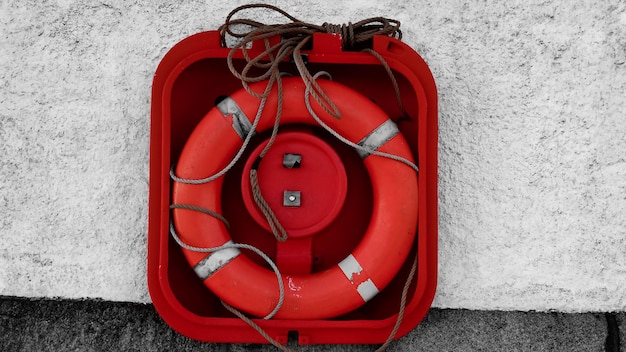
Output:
(367, 290)
(378, 137)
(215, 261)
(351, 267)
(241, 123)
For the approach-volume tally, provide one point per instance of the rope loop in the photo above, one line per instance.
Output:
(352, 33)
(294, 36)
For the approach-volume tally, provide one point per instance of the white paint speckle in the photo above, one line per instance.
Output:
(292, 285)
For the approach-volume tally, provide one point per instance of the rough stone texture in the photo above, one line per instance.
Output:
(620, 340)
(45, 325)
(532, 143)
(621, 319)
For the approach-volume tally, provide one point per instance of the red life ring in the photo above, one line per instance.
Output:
(245, 285)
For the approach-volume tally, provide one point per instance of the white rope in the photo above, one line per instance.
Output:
(307, 101)
(260, 253)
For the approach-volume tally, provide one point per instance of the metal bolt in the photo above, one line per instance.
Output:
(291, 198)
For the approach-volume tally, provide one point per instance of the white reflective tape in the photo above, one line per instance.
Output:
(351, 268)
(241, 123)
(215, 261)
(367, 290)
(378, 137)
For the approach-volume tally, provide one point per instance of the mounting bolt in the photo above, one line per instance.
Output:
(291, 198)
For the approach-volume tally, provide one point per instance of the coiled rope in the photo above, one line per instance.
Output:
(294, 37)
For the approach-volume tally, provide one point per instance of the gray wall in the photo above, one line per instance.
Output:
(532, 143)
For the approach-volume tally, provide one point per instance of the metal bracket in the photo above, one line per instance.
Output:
(292, 161)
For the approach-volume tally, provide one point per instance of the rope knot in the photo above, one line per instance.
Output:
(331, 28)
(346, 31)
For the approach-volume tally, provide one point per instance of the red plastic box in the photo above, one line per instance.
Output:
(192, 76)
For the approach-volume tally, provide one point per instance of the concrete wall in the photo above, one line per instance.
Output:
(532, 143)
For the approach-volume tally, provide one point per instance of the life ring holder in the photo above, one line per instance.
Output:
(361, 275)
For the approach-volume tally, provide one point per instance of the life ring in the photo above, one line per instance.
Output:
(245, 285)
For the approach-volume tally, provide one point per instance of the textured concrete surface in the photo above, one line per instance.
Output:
(621, 325)
(532, 141)
(45, 325)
